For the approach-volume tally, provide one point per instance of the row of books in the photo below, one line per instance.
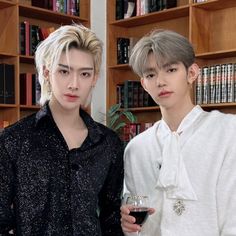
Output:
(216, 84)
(30, 89)
(30, 36)
(129, 8)
(7, 83)
(131, 94)
(124, 47)
(130, 130)
(70, 7)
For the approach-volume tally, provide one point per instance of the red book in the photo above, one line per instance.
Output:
(28, 89)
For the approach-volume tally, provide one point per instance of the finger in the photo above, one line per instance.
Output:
(127, 227)
(124, 209)
(151, 211)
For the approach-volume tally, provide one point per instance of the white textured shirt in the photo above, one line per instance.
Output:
(199, 169)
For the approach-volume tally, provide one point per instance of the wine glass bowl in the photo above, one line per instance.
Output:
(139, 208)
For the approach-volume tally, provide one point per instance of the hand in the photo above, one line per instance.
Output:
(128, 222)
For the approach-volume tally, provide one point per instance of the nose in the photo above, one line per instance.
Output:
(73, 83)
(160, 80)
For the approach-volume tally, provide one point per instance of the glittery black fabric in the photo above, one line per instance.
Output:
(48, 190)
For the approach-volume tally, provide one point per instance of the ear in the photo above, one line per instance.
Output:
(193, 72)
(143, 84)
(45, 73)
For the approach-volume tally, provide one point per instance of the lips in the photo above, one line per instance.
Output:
(164, 93)
(71, 97)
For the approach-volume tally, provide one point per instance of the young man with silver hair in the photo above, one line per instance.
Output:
(186, 162)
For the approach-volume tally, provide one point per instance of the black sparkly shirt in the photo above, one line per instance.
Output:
(48, 190)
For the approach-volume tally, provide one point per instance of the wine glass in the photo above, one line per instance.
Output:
(139, 209)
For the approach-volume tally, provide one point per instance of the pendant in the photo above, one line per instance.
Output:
(179, 207)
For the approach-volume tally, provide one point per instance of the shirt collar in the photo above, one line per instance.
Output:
(95, 133)
(188, 120)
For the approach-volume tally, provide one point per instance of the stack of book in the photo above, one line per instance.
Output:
(129, 8)
(216, 84)
(131, 95)
(70, 7)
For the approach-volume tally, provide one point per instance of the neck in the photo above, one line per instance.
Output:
(174, 116)
(66, 118)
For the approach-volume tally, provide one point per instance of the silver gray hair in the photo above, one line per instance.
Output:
(167, 47)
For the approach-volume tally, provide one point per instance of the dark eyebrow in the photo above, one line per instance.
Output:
(149, 70)
(83, 68)
(169, 64)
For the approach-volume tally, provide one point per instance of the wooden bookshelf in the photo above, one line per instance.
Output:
(12, 12)
(209, 25)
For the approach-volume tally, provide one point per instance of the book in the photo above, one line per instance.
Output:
(223, 83)
(34, 38)
(37, 90)
(205, 76)
(27, 38)
(123, 50)
(2, 83)
(119, 9)
(22, 38)
(154, 5)
(129, 8)
(212, 86)
(230, 83)
(26, 89)
(9, 84)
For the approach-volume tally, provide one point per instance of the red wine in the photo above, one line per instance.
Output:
(140, 214)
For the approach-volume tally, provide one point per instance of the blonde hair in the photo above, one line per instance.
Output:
(62, 40)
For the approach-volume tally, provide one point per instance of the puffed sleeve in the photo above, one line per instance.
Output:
(226, 194)
(110, 198)
(6, 190)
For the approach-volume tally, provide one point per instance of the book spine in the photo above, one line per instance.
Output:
(198, 90)
(212, 84)
(119, 9)
(230, 83)
(205, 75)
(27, 38)
(22, 38)
(223, 83)
(2, 78)
(23, 89)
(129, 8)
(28, 89)
(9, 89)
(33, 91)
(218, 83)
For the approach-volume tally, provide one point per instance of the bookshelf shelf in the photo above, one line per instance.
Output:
(25, 107)
(27, 59)
(209, 25)
(5, 4)
(217, 54)
(144, 109)
(214, 5)
(12, 13)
